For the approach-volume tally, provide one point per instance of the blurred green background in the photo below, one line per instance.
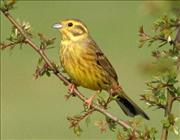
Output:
(37, 109)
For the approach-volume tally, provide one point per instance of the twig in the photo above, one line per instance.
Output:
(74, 121)
(153, 103)
(12, 44)
(164, 134)
(170, 97)
(59, 75)
(176, 98)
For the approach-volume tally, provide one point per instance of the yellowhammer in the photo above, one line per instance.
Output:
(88, 67)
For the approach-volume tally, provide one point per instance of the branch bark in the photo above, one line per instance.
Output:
(11, 45)
(170, 97)
(59, 75)
(164, 134)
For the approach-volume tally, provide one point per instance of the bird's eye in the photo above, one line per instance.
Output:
(70, 24)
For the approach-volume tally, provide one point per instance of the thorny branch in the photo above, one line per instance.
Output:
(76, 119)
(11, 45)
(162, 90)
(27, 40)
(168, 109)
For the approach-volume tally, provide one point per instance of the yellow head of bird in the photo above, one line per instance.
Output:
(71, 29)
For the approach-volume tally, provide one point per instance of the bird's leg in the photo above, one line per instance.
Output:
(108, 100)
(90, 100)
(71, 88)
(113, 91)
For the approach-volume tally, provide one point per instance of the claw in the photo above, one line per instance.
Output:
(71, 88)
(89, 101)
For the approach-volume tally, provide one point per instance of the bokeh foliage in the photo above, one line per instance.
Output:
(150, 131)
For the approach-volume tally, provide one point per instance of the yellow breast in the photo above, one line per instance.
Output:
(81, 66)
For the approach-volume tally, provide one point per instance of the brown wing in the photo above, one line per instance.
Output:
(103, 61)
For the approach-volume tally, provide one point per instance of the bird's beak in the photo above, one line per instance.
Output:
(57, 26)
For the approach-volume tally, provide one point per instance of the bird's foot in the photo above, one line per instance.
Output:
(71, 88)
(89, 101)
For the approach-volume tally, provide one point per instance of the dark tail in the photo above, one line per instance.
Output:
(129, 107)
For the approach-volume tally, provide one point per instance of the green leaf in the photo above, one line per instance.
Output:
(77, 130)
(152, 133)
(165, 123)
(111, 124)
(48, 73)
(172, 78)
(7, 5)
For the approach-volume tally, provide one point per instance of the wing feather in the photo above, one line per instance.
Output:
(102, 60)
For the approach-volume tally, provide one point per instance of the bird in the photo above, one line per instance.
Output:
(87, 66)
